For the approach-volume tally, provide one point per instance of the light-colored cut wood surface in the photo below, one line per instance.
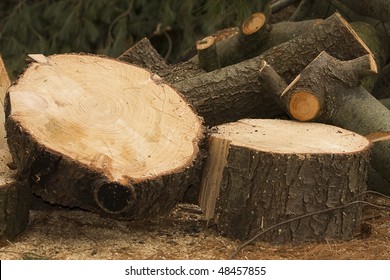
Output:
(106, 114)
(282, 136)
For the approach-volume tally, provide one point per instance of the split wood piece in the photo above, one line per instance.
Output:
(207, 54)
(262, 172)
(15, 195)
(143, 54)
(244, 44)
(102, 135)
(335, 84)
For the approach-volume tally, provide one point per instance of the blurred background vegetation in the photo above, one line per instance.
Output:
(110, 27)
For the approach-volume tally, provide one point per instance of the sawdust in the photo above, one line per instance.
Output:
(58, 233)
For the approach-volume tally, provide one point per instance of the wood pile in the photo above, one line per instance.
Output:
(130, 137)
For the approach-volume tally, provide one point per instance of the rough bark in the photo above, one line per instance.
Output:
(344, 103)
(229, 94)
(252, 34)
(304, 98)
(102, 135)
(207, 54)
(334, 35)
(143, 54)
(15, 195)
(284, 31)
(262, 172)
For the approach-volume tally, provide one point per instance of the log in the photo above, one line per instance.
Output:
(334, 35)
(207, 54)
(234, 92)
(252, 34)
(15, 195)
(334, 85)
(143, 54)
(102, 135)
(262, 172)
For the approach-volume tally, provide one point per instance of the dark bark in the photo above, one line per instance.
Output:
(143, 54)
(258, 187)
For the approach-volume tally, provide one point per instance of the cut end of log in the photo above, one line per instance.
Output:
(260, 172)
(304, 106)
(205, 43)
(127, 124)
(253, 23)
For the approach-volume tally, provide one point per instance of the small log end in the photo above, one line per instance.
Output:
(304, 106)
(253, 23)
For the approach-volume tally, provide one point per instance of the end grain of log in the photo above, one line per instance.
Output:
(102, 135)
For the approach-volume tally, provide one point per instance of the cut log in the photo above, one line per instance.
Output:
(207, 54)
(334, 35)
(102, 135)
(262, 172)
(342, 102)
(253, 33)
(143, 54)
(15, 195)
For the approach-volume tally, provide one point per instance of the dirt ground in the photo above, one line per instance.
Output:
(64, 234)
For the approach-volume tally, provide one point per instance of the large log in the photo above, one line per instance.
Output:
(262, 172)
(102, 135)
(328, 90)
(15, 195)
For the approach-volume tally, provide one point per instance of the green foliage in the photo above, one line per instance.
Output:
(111, 26)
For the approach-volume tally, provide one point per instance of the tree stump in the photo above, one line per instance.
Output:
(15, 195)
(102, 135)
(262, 172)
